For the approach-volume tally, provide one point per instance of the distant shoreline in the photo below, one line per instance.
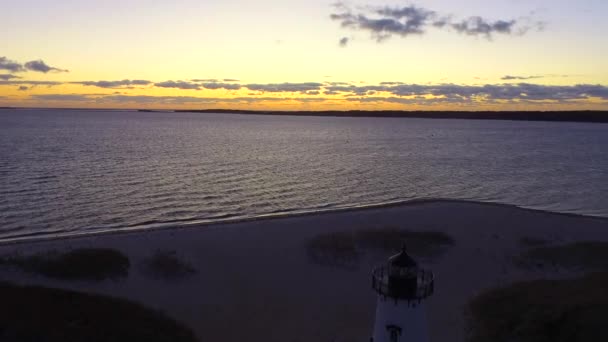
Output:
(559, 116)
(590, 116)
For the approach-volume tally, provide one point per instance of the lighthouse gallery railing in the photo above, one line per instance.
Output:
(408, 284)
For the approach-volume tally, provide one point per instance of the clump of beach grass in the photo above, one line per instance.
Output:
(528, 241)
(345, 249)
(166, 264)
(570, 310)
(79, 264)
(334, 249)
(589, 256)
(51, 315)
(391, 239)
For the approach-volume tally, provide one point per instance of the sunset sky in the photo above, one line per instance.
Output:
(310, 55)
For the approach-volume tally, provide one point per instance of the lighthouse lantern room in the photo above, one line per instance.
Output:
(402, 288)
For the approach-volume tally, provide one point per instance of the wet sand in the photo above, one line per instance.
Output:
(255, 280)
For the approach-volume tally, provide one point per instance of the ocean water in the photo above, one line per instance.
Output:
(68, 172)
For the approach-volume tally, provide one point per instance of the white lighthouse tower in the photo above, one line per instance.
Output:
(402, 288)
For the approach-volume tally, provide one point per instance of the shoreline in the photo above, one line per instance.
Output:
(28, 239)
(260, 275)
(581, 116)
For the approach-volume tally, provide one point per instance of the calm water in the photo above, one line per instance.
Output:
(63, 172)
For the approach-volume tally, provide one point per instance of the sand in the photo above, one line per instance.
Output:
(255, 280)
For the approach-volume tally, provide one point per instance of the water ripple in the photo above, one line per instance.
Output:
(77, 171)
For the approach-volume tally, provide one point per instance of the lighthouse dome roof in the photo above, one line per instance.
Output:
(402, 259)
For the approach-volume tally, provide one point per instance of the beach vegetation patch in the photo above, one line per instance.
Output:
(570, 310)
(79, 264)
(51, 315)
(166, 264)
(391, 239)
(334, 249)
(345, 249)
(589, 255)
(528, 241)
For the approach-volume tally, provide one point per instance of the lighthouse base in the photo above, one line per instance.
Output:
(400, 321)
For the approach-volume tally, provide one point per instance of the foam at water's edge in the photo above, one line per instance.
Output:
(270, 216)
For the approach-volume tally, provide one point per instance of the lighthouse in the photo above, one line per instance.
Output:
(402, 288)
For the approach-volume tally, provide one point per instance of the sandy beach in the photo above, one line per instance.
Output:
(256, 281)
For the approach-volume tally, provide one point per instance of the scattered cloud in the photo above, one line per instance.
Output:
(36, 65)
(205, 80)
(488, 92)
(114, 84)
(513, 78)
(390, 92)
(475, 26)
(12, 66)
(178, 85)
(30, 82)
(285, 87)
(6, 77)
(165, 100)
(41, 66)
(385, 22)
(61, 97)
(219, 85)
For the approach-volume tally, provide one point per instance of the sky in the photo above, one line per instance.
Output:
(308, 55)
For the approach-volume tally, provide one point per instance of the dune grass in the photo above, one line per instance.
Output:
(590, 255)
(165, 264)
(345, 249)
(334, 249)
(52, 315)
(528, 241)
(79, 264)
(572, 310)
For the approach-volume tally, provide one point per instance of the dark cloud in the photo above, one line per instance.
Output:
(114, 84)
(167, 100)
(12, 66)
(512, 78)
(61, 97)
(475, 26)
(464, 93)
(344, 41)
(178, 85)
(338, 83)
(285, 87)
(219, 85)
(29, 82)
(6, 77)
(386, 22)
(41, 66)
(23, 88)
(390, 92)
(157, 99)
(213, 80)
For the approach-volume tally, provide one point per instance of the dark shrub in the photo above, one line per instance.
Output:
(571, 310)
(51, 315)
(79, 264)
